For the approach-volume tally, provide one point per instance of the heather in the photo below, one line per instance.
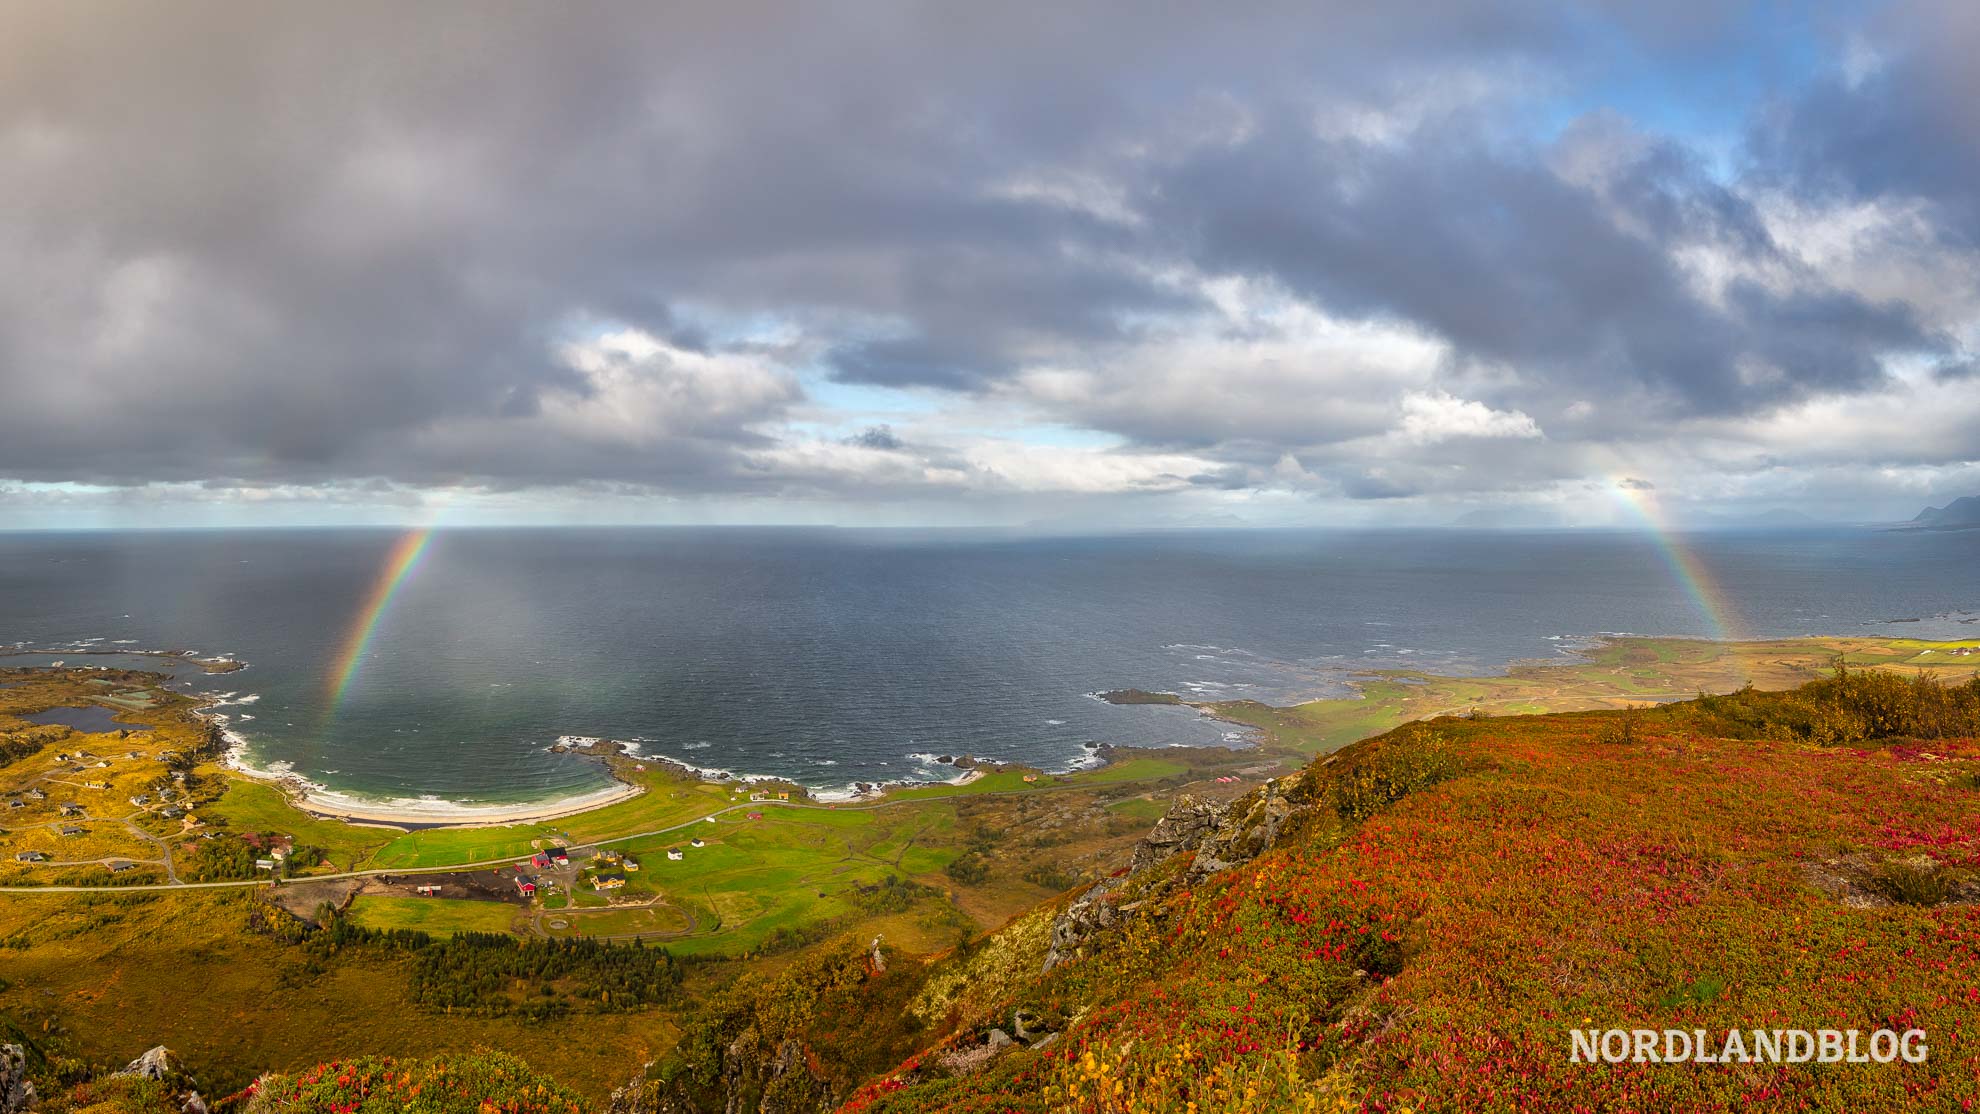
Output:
(1465, 891)
(477, 1083)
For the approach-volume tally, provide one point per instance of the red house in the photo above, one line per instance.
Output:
(526, 887)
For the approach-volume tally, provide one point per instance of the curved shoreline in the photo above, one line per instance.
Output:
(451, 814)
(410, 813)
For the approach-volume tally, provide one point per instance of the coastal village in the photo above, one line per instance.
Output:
(136, 795)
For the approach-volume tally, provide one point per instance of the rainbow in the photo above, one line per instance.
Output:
(1691, 574)
(399, 564)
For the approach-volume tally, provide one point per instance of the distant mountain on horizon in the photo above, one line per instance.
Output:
(1779, 518)
(1512, 518)
(1960, 514)
(1544, 518)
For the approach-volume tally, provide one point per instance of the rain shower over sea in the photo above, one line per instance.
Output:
(439, 668)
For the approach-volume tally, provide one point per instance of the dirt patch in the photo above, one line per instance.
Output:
(467, 885)
(1863, 883)
(305, 898)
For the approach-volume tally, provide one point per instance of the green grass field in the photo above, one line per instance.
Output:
(440, 916)
(654, 921)
(1139, 808)
(251, 806)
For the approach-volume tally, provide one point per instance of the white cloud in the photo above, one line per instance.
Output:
(1432, 416)
(641, 389)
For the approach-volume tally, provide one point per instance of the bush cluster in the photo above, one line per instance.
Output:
(1855, 706)
(495, 974)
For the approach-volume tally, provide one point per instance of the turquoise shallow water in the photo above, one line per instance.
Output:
(840, 656)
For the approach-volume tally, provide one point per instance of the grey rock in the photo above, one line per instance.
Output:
(1219, 837)
(157, 1063)
(1181, 829)
(16, 1093)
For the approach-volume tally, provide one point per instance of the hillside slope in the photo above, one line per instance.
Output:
(1447, 901)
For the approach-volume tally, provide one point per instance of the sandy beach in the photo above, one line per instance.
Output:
(424, 813)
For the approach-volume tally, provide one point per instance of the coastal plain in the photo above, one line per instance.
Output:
(103, 961)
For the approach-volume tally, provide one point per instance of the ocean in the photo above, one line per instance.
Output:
(832, 657)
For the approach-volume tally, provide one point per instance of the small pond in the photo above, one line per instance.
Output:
(93, 720)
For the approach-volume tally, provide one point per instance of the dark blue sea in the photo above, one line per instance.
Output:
(839, 656)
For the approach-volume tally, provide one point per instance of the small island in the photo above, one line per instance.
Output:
(1139, 696)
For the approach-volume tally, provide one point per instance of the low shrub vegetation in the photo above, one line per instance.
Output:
(478, 1083)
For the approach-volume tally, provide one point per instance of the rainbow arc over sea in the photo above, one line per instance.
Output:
(1690, 573)
(400, 562)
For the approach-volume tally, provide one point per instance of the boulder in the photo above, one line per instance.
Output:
(1180, 829)
(159, 1063)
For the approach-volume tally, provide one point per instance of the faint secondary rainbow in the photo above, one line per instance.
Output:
(1691, 574)
(399, 564)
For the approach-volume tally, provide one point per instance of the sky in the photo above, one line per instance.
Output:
(1066, 265)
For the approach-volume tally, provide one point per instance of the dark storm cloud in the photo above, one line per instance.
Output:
(1901, 127)
(876, 437)
(1573, 285)
(294, 244)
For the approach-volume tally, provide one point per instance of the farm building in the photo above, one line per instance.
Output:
(30, 857)
(526, 887)
(674, 853)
